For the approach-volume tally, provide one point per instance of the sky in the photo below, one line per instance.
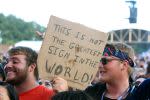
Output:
(103, 15)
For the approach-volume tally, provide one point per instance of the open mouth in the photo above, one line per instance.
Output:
(102, 72)
(9, 70)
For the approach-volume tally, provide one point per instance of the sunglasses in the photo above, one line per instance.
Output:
(105, 61)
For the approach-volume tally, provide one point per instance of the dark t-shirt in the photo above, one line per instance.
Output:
(142, 92)
(96, 91)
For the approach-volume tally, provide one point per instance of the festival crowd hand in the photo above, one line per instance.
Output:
(40, 34)
(59, 84)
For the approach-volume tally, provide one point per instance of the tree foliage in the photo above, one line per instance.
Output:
(13, 29)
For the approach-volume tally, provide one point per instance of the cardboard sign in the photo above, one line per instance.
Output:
(71, 51)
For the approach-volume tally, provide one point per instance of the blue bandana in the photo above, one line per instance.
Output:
(119, 54)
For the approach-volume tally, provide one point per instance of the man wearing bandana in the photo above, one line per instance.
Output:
(115, 68)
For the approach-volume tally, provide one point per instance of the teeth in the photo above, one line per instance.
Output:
(10, 72)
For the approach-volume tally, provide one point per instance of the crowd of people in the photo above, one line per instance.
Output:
(118, 77)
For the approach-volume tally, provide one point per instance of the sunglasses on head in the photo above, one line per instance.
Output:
(105, 61)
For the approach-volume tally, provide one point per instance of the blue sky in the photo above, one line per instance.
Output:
(103, 15)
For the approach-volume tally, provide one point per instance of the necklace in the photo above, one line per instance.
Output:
(123, 95)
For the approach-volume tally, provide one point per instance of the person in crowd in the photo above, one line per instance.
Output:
(2, 73)
(22, 73)
(72, 95)
(45, 83)
(147, 74)
(142, 63)
(136, 75)
(7, 92)
(141, 76)
(148, 68)
(142, 92)
(115, 69)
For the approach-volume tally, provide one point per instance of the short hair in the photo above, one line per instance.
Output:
(72, 95)
(31, 56)
(12, 93)
(123, 48)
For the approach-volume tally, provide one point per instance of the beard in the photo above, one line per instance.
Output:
(21, 76)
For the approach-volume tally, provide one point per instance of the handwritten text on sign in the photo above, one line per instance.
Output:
(71, 51)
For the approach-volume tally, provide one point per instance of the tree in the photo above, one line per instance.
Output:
(14, 29)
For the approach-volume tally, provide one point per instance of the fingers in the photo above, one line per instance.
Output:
(59, 84)
(40, 34)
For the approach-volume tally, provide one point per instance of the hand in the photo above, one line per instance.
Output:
(59, 84)
(40, 34)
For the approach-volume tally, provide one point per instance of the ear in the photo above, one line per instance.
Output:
(124, 65)
(32, 67)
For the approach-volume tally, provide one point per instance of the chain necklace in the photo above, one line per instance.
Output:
(124, 94)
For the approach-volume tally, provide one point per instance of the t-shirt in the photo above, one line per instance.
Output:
(143, 91)
(96, 92)
(38, 93)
